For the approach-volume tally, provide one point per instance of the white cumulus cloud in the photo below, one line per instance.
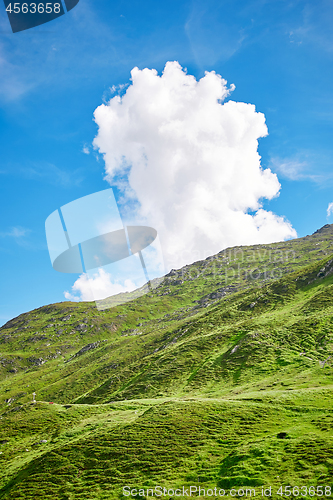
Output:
(192, 162)
(96, 287)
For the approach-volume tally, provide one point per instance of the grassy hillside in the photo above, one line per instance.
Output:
(221, 377)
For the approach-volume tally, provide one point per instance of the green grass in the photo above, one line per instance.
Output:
(207, 381)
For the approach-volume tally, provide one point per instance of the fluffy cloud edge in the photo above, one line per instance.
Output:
(185, 161)
(99, 285)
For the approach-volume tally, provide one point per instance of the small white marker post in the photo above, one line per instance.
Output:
(33, 397)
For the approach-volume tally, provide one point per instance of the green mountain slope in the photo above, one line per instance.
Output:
(220, 377)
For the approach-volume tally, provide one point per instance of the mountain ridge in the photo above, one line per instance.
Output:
(221, 376)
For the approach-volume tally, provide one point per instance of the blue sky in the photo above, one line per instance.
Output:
(53, 77)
